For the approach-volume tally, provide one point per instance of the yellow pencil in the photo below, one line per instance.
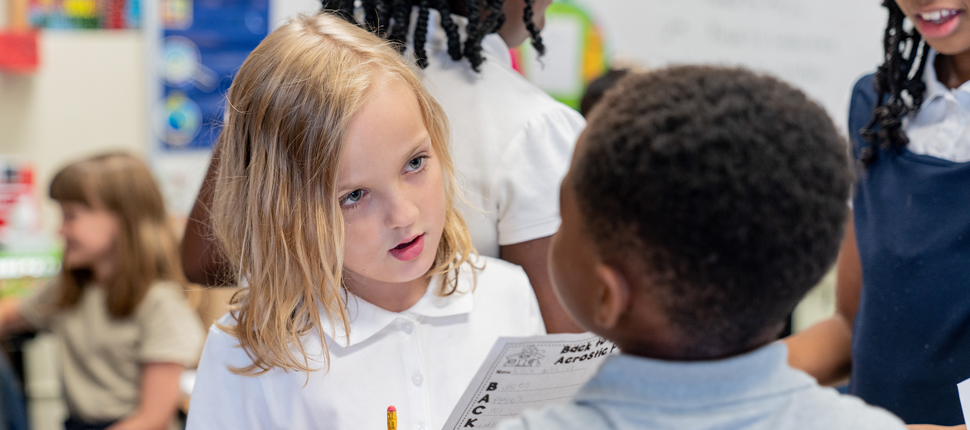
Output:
(391, 418)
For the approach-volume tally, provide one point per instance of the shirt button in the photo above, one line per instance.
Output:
(417, 379)
(407, 327)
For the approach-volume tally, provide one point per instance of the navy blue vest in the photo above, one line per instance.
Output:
(911, 338)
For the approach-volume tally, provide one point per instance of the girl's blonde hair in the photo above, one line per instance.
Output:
(275, 210)
(146, 248)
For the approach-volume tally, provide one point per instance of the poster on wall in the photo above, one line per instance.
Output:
(84, 14)
(575, 54)
(199, 46)
(204, 42)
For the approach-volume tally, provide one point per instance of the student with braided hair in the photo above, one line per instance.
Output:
(511, 141)
(900, 329)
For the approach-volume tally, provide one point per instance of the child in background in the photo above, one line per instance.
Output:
(511, 141)
(118, 307)
(702, 203)
(335, 200)
(902, 303)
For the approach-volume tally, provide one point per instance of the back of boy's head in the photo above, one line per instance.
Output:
(724, 189)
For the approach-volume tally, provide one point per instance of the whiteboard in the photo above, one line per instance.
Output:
(820, 46)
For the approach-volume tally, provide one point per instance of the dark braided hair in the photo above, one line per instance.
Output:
(451, 29)
(401, 15)
(376, 18)
(473, 42)
(533, 28)
(390, 20)
(496, 18)
(904, 51)
(344, 8)
(421, 34)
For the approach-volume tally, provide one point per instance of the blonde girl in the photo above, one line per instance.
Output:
(117, 308)
(334, 199)
(513, 143)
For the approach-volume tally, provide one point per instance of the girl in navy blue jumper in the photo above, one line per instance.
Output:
(903, 307)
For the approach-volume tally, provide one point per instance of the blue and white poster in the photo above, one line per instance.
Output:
(204, 42)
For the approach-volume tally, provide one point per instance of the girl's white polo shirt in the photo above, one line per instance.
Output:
(419, 361)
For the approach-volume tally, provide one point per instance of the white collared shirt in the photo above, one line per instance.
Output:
(941, 127)
(511, 141)
(419, 361)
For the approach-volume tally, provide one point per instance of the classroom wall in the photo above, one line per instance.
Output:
(821, 46)
(90, 92)
(88, 96)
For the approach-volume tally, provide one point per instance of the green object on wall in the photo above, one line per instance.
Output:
(575, 54)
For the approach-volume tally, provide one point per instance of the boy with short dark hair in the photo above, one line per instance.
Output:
(702, 203)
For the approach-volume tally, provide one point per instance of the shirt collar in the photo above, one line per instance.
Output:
(366, 319)
(493, 46)
(625, 377)
(934, 88)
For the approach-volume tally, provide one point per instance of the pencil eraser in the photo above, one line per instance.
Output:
(391, 409)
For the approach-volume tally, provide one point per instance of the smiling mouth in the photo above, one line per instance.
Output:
(938, 17)
(938, 23)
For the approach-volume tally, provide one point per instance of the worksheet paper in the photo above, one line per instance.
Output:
(526, 373)
(964, 389)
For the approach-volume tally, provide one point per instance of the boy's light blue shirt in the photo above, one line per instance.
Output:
(757, 390)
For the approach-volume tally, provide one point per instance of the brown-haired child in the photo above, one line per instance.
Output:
(118, 308)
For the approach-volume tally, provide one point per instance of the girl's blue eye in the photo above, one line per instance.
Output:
(351, 198)
(416, 163)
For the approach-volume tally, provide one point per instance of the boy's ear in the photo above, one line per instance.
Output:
(614, 297)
